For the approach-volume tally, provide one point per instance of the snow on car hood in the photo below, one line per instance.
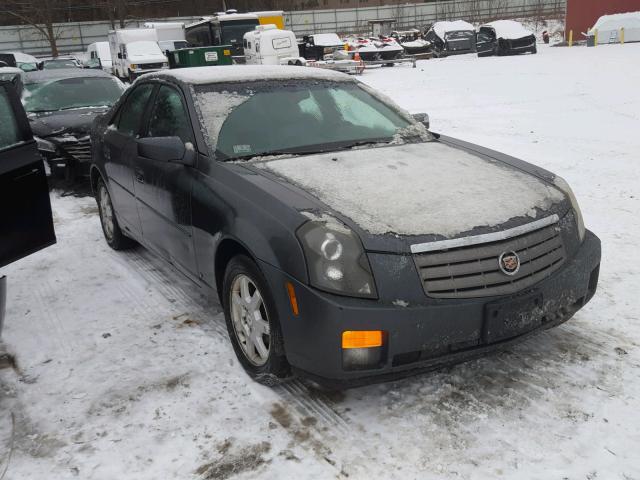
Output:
(416, 189)
(509, 30)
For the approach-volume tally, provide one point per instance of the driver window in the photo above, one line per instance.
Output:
(169, 117)
(132, 111)
(9, 131)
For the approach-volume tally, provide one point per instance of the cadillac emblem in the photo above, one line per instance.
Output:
(509, 263)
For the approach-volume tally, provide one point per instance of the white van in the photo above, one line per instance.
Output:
(171, 35)
(135, 51)
(267, 45)
(101, 51)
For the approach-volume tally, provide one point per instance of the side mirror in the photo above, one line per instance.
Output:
(167, 149)
(423, 118)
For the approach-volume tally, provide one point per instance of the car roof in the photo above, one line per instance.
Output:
(62, 73)
(247, 73)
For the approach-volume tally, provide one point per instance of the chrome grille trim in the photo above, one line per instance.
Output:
(472, 271)
(485, 237)
(80, 150)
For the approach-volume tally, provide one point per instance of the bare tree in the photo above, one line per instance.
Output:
(40, 14)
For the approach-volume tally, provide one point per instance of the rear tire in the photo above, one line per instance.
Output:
(110, 227)
(252, 322)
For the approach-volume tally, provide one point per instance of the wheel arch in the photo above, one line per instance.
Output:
(94, 175)
(227, 249)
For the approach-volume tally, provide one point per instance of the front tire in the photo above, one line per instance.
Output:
(110, 227)
(252, 322)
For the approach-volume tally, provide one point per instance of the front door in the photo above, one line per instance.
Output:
(163, 189)
(120, 151)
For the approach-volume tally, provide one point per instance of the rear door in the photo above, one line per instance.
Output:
(163, 189)
(25, 211)
(120, 152)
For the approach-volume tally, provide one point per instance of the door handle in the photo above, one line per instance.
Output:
(139, 175)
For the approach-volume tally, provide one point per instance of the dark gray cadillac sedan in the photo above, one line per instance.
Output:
(345, 241)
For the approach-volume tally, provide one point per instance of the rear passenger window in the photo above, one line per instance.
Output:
(169, 117)
(9, 131)
(133, 110)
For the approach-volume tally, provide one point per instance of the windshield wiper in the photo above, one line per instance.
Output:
(83, 106)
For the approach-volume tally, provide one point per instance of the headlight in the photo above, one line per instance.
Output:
(566, 189)
(45, 145)
(133, 66)
(336, 259)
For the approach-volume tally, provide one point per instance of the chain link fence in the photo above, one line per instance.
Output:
(76, 37)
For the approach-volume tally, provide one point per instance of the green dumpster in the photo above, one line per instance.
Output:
(200, 57)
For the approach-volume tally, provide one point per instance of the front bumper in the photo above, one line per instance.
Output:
(426, 334)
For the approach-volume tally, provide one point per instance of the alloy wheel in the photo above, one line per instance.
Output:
(250, 320)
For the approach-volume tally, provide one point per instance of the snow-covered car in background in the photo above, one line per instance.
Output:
(344, 240)
(23, 61)
(505, 37)
(61, 105)
(319, 46)
(452, 38)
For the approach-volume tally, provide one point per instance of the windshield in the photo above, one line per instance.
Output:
(269, 118)
(459, 35)
(144, 47)
(53, 64)
(233, 32)
(71, 93)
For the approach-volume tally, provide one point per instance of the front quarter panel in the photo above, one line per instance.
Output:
(231, 202)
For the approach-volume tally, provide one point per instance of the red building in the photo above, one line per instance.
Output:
(583, 14)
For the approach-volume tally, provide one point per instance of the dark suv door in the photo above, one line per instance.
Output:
(26, 224)
(120, 150)
(163, 189)
(25, 211)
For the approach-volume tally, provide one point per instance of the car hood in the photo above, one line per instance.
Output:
(418, 192)
(76, 122)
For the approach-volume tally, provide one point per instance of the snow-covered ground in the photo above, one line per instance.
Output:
(125, 370)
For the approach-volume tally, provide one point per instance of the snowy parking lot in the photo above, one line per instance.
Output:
(124, 369)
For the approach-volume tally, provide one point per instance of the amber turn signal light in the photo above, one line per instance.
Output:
(361, 338)
(292, 298)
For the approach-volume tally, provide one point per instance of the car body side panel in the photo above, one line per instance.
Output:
(227, 204)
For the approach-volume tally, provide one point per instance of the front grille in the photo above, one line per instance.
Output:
(150, 66)
(80, 150)
(473, 271)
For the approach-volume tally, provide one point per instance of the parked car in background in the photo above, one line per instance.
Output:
(61, 105)
(504, 37)
(25, 211)
(345, 241)
(135, 51)
(452, 38)
(100, 52)
(15, 76)
(316, 47)
(55, 63)
(23, 61)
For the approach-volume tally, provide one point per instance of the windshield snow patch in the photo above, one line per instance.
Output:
(215, 107)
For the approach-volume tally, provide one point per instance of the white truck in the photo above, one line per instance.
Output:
(100, 51)
(268, 45)
(171, 35)
(135, 51)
